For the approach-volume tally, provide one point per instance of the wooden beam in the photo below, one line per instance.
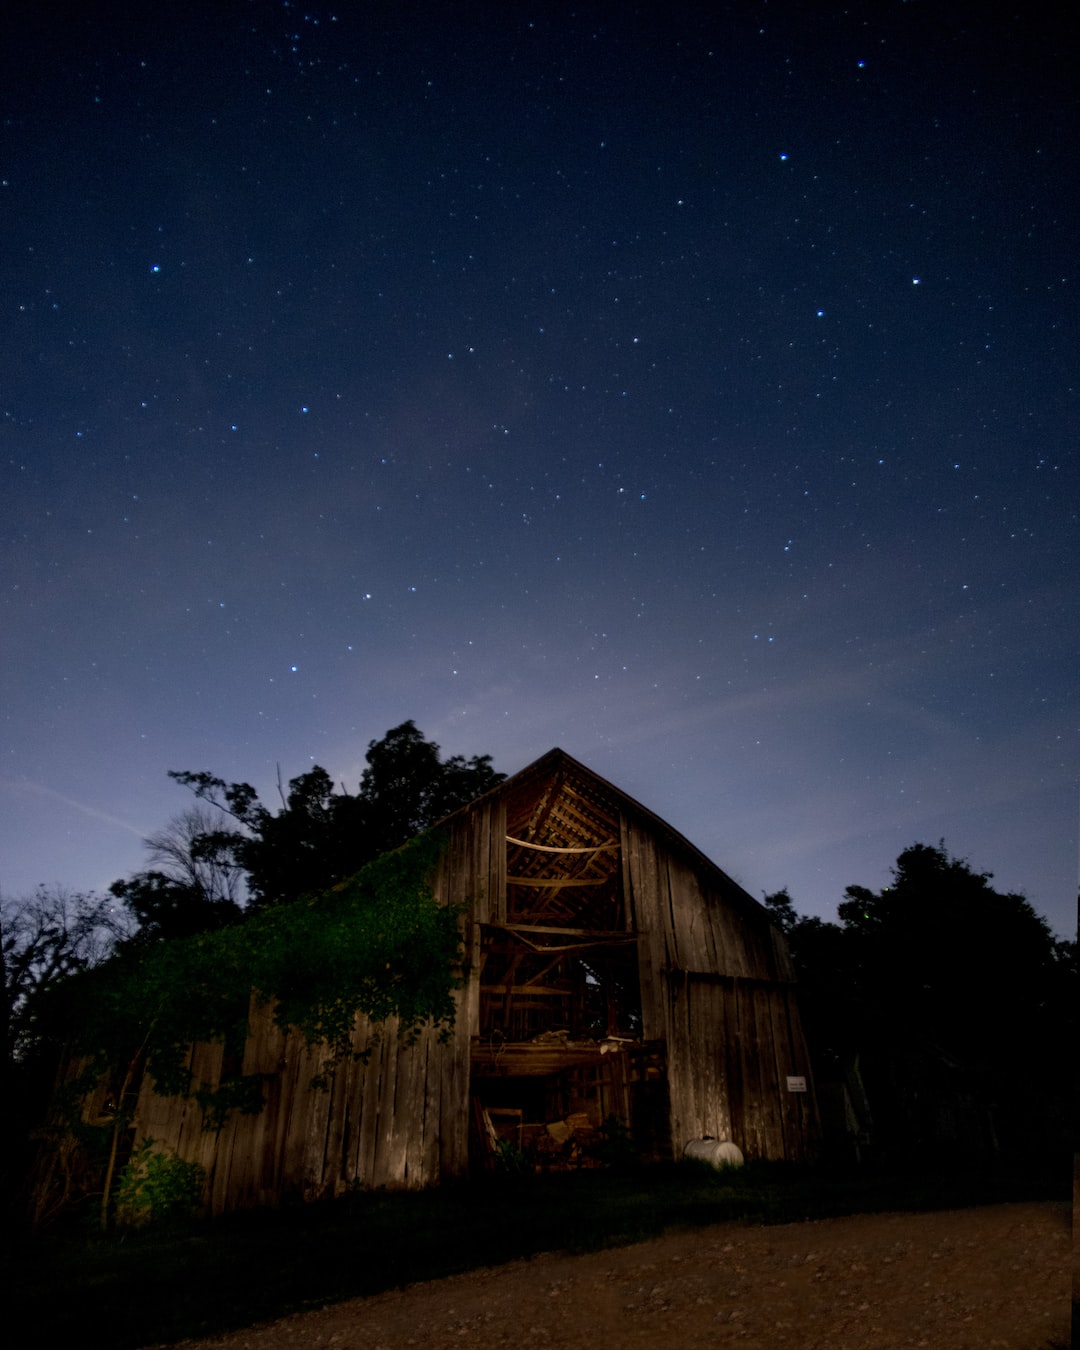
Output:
(550, 848)
(515, 961)
(546, 803)
(551, 882)
(545, 969)
(599, 934)
(521, 991)
(524, 1059)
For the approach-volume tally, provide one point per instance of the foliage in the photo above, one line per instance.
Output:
(165, 908)
(74, 1149)
(955, 999)
(156, 1185)
(940, 947)
(195, 886)
(186, 851)
(43, 939)
(339, 922)
(377, 945)
(242, 1093)
(511, 1160)
(406, 786)
(781, 909)
(321, 836)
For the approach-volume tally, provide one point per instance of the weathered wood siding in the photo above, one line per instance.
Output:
(398, 1119)
(472, 875)
(717, 984)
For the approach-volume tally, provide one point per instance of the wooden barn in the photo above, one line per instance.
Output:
(616, 985)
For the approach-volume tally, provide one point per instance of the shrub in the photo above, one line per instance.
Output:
(156, 1185)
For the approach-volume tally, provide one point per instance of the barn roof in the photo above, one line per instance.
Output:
(557, 762)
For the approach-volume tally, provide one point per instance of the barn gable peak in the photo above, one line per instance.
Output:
(558, 766)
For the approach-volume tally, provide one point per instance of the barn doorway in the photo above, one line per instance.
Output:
(559, 1071)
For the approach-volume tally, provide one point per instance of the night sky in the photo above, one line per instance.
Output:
(694, 393)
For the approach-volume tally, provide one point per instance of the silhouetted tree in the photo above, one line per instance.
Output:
(196, 887)
(188, 851)
(321, 836)
(44, 938)
(406, 786)
(956, 1000)
(781, 909)
(944, 956)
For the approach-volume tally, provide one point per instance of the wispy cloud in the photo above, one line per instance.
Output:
(27, 788)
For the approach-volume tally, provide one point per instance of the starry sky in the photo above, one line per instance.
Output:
(695, 392)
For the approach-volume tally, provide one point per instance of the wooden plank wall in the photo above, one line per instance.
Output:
(398, 1119)
(718, 985)
(176, 1123)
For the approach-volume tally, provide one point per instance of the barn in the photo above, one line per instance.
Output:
(616, 986)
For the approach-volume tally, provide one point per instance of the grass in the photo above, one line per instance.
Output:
(194, 1279)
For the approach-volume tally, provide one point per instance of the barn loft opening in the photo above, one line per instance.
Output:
(559, 1065)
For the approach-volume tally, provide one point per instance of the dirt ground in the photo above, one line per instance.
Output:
(997, 1276)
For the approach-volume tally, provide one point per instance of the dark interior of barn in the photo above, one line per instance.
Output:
(560, 1074)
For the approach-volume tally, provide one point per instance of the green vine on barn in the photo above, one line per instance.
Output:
(378, 945)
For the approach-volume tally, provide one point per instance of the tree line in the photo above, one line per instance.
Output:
(941, 1016)
(230, 855)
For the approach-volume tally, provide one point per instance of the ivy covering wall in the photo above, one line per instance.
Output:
(378, 945)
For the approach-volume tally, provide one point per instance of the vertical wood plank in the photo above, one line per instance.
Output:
(316, 1125)
(337, 1124)
(369, 1121)
(455, 1070)
(652, 944)
(479, 888)
(384, 1123)
(424, 1167)
(771, 1105)
(406, 1109)
(750, 1073)
(497, 900)
(351, 1170)
(247, 1141)
(715, 1033)
(680, 1063)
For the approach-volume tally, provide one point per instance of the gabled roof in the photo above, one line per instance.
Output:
(556, 764)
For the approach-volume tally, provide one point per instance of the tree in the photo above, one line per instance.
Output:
(956, 999)
(944, 956)
(320, 836)
(781, 909)
(824, 961)
(190, 851)
(45, 938)
(196, 887)
(46, 941)
(406, 786)
(340, 922)
(315, 840)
